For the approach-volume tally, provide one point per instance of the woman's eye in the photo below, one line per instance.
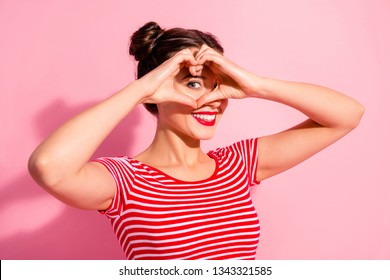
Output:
(193, 84)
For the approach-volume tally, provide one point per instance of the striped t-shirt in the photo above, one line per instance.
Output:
(156, 216)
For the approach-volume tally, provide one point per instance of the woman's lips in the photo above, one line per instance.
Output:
(205, 118)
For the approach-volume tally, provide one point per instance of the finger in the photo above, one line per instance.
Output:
(189, 57)
(172, 66)
(203, 55)
(209, 98)
(205, 49)
(208, 58)
(185, 100)
(192, 70)
(198, 70)
(195, 70)
(185, 58)
(189, 61)
(201, 51)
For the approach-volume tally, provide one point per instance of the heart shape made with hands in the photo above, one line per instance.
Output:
(233, 82)
(226, 87)
(230, 77)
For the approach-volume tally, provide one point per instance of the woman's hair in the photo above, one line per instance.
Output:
(151, 46)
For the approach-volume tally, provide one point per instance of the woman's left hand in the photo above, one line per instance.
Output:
(233, 81)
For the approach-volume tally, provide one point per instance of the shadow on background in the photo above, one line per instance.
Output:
(70, 233)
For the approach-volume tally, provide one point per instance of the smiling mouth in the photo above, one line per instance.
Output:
(205, 118)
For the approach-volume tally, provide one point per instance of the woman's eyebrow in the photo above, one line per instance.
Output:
(191, 76)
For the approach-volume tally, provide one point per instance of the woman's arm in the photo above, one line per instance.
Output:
(60, 164)
(331, 116)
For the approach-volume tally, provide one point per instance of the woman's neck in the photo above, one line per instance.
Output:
(170, 148)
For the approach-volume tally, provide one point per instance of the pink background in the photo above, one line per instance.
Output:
(59, 57)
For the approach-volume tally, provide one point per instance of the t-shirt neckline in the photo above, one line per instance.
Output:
(212, 176)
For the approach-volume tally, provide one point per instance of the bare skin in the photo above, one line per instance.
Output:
(193, 81)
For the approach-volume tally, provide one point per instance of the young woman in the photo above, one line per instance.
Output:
(174, 201)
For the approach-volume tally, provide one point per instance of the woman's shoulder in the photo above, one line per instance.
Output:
(240, 146)
(119, 163)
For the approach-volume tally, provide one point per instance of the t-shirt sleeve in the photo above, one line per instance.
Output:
(248, 150)
(120, 170)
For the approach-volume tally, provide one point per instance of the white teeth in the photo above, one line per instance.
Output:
(207, 118)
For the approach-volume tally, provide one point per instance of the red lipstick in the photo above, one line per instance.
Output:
(205, 118)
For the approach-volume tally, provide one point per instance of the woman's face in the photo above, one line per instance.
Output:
(186, 121)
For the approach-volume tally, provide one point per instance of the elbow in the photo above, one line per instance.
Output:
(358, 113)
(39, 168)
(352, 118)
(349, 118)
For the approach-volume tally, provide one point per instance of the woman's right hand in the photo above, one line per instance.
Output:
(158, 83)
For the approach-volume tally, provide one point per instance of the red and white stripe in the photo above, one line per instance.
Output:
(156, 216)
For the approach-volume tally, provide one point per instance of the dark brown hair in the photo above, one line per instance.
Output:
(151, 46)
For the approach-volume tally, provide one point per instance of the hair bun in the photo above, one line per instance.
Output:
(143, 40)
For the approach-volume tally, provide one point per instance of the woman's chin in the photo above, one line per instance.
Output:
(204, 135)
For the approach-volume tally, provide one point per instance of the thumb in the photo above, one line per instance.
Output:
(209, 98)
(185, 100)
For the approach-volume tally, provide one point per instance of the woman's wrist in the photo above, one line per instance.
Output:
(137, 91)
(261, 87)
